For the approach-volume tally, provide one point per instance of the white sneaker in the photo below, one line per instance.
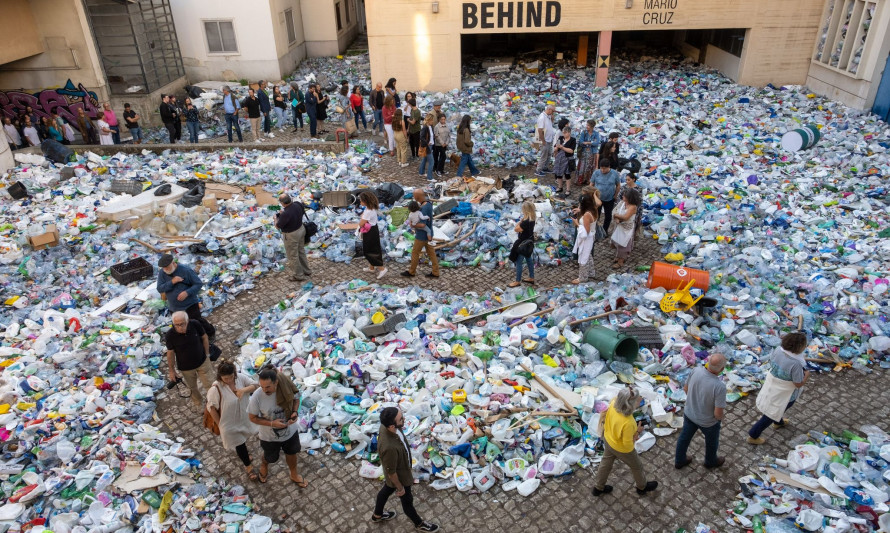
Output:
(271, 135)
(382, 273)
(259, 140)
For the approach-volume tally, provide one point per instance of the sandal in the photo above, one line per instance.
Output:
(262, 477)
(615, 265)
(513, 284)
(251, 475)
(302, 483)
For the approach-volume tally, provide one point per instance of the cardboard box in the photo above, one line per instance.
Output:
(209, 202)
(49, 237)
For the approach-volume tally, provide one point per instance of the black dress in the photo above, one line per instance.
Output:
(322, 113)
(371, 246)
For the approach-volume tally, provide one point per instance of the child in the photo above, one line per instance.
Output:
(416, 217)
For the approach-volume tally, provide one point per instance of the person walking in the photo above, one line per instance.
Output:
(290, 222)
(626, 215)
(167, 117)
(279, 105)
(232, 107)
(113, 124)
(88, 132)
(585, 237)
(564, 161)
(191, 120)
(265, 108)
(375, 100)
(521, 250)
(395, 458)
(620, 431)
(608, 182)
(391, 90)
(465, 146)
(227, 401)
(370, 233)
(415, 123)
(131, 120)
(254, 113)
(273, 407)
(427, 140)
(188, 350)
(787, 376)
(358, 107)
(179, 286)
(105, 137)
(423, 234)
(401, 138)
(440, 148)
(705, 409)
(297, 104)
(388, 112)
(588, 152)
(544, 135)
(312, 110)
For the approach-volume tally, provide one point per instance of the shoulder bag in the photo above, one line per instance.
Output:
(209, 422)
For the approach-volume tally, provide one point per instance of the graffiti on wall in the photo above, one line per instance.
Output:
(66, 101)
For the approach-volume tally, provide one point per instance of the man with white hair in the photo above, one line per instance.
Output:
(544, 135)
(188, 350)
(705, 406)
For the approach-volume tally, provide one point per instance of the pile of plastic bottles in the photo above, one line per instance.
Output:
(829, 483)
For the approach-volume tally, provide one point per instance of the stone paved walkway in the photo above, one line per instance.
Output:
(339, 500)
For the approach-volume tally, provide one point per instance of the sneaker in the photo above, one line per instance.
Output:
(784, 422)
(606, 489)
(650, 486)
(408, 274)
(686, 462)
(382, 273)
(387, 515)
(720, 461)
(540, 174)
(757, 441)
(427, 526)
(271, 135)
(431, 275)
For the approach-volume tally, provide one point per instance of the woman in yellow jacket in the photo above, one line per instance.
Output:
(620, 432)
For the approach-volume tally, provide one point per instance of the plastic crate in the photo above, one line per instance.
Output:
(126, 187)
(647, 336)
(17, 190)
(387, 326)
(133, 270)
(445, 207)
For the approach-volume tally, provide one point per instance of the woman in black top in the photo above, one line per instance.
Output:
(392, 91)
(191, 120)
(609, 150)
(322, 109)
(563, 160)
(526, 230)
(279, 106)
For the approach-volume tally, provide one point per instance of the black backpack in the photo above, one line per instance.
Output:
(311, 227)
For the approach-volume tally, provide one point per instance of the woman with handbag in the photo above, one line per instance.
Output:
(425, 150)
(524, 247)
(344, 106)
(370, 233)
(322, 112)
(226, 408)
(623, 235)
(564, 161)
(585, 238)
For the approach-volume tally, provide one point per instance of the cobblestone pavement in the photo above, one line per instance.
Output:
(339, 500)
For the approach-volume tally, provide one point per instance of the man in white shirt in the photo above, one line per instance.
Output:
(30, 133)
(544, 134)
(12, 134)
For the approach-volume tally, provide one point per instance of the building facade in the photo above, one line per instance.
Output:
(234, 40)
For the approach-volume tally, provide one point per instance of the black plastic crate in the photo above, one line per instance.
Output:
(647, 336)
(17, 190)
(133, 270)
(445, 207)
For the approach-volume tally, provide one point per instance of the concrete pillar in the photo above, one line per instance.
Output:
(582, 50)
(603, 47)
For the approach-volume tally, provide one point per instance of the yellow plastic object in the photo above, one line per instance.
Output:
(11, 300)
(377, 317)
(259, 361)
(673, 258)
(549, 361)
(529, 344)
(459, 396)
(458, 410)
(457, 350)
(680, 300)
(4, 408)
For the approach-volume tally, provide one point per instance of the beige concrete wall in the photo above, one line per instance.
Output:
(20, 38)
(406, 38)
(320, 26)
(289, 54)
(70, 51)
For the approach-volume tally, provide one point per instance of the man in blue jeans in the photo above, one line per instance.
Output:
(705, 406)
(232, 107)
(312, 109)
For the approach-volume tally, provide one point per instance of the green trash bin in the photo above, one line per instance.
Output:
(612, 344)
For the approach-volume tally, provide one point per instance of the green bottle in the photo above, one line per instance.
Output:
(152, 498)
(757, 525)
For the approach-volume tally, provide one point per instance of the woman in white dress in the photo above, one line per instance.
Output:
(104, 130)
(227, 402)
(626, 216)
(586, 224)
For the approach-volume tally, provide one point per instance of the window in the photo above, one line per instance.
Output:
(731, 40)
(346, 8)
(289, 22)
(339, 22)
(844, 37)
(220, 36)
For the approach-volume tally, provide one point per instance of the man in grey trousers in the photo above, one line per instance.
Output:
(290, 221)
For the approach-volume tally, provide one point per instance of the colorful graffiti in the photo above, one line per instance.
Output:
(66, 101)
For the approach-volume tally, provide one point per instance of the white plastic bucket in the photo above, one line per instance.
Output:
(801, 139)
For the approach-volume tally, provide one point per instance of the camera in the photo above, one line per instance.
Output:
(174, 383)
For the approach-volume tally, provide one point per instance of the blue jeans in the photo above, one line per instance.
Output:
(428, 164)
(466, 160)
(136, 133)
(313, 123)
(712, 442)
(530, 261)
(360, 113)
(232, 120)
(115, 134)
(298, 117)
(193, 131)
(378, 120)
(764, 423)
(279, 114)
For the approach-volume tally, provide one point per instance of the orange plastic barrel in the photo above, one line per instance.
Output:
(673, 277)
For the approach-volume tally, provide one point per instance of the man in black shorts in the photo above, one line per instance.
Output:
(273, 407)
